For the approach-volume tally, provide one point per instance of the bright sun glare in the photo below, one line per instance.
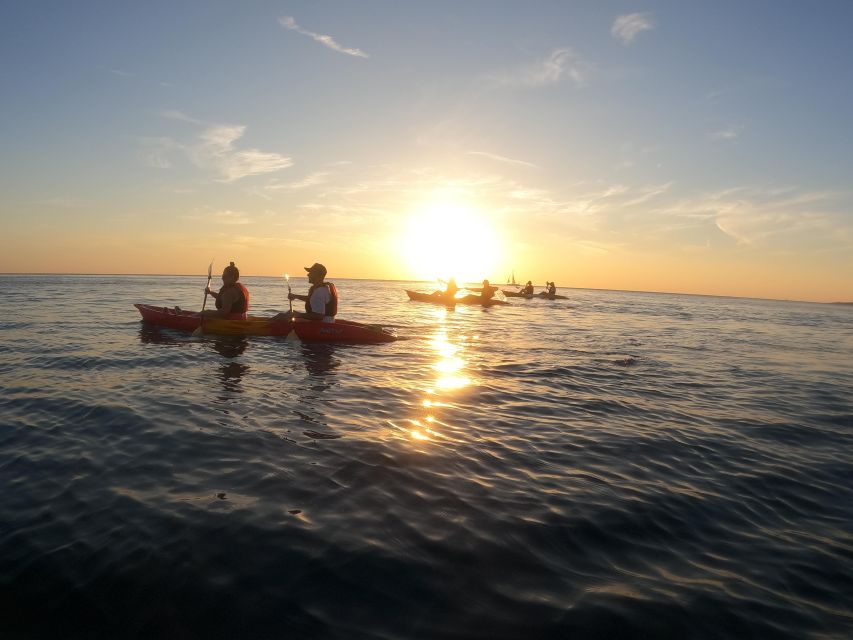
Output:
(450, 240)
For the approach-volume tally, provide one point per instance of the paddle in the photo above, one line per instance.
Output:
(200, 328)
(291, 336)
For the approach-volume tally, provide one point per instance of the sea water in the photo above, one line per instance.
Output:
(616, 465)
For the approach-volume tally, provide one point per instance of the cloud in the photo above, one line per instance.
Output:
(728, 133)
(561, 63)
(121, 73)
(761, 216)
(174, 114)
(225, 216)
(629, 26)
(215, 150)
(328, 41)
(498, 158)
(231, 217)
(156, 151)
(311, 180)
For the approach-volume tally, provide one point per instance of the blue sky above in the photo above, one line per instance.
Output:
(622, 129)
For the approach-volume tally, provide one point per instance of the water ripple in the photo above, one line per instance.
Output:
(625, 465)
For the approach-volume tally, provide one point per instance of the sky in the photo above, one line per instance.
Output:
(696, 147)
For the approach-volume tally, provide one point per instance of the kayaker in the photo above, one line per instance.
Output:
(449, 290)
(528, 288)
(551, 289)
(321, 301)
(487, 291)
(232, 299)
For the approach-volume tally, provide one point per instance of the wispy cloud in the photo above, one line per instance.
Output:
(156, 152)
(559, 64)
(231, 217)
(328, 41)
(121, 73)
(727, 133)
(224, 216)
(174, 114)
(494, 156)
(215, 149)
(628, 26)
(311, 180)
(769, 217)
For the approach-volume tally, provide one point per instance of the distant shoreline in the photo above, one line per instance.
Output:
(198, 275)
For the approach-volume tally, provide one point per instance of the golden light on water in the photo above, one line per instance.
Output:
(447, 239)
(449, 364)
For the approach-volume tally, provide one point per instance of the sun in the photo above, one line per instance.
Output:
(448, 239)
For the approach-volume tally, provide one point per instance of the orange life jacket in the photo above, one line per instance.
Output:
(331, 305)
(242, 303)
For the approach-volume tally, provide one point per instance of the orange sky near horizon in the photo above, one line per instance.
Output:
(733, 273)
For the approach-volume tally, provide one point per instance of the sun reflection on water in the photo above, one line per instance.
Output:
(449, 366)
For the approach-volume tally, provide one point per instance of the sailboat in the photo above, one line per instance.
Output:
(511, 279)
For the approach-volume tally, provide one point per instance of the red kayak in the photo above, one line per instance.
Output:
(420, 296)
(305, 330)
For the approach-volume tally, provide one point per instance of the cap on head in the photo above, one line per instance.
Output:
(317, 268)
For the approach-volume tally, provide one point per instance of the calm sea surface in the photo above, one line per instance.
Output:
(618, 465)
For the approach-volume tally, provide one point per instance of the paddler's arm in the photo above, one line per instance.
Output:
(229, 297)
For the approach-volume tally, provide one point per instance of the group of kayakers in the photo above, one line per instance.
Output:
(321, 301)
(487, 291)
(232, 299)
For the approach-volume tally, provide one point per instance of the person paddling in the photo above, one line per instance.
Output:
(449, 290)
(321, 301)
(232, 299)
(527, 290)
(487, 291)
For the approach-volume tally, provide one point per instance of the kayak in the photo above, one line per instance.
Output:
(305, 330)
(556, 296)
(517, 294)
(420, 296)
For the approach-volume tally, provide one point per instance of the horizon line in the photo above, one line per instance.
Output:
(192, 275)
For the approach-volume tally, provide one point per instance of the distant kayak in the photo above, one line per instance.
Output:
(530, 296)
(433, 298)
(305, 330)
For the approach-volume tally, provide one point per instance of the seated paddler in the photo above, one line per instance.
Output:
(449, 291)
(321, 301)
(232, 299)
